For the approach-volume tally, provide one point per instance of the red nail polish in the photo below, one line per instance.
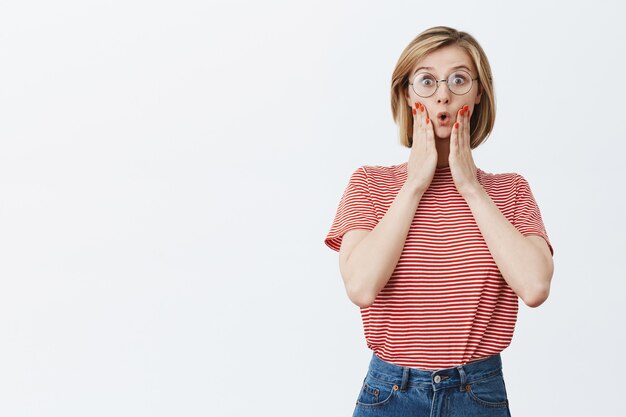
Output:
(422, 107)
(466, 107)
(427, 119)
(414, 112)
(461, 112)
(456, 125)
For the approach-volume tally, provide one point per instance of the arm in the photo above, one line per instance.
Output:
(525, 261)
(366, 263)
(369, 258)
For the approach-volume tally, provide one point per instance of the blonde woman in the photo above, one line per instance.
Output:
(436, 251)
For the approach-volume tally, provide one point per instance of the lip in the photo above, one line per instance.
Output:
(444, 122)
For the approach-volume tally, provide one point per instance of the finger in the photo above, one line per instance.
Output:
(426, 118)
(461, 132)
(416, 115)
(430, 132)
(453, 138)
(459, 115)
(458, 126)
(420, 121)
(426, 124)
(414, 111)
(422, 113)
(466, 126)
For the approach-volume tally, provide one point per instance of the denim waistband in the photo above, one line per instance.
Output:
(459, 375)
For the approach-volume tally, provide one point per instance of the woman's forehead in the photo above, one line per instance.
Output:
(445, 59)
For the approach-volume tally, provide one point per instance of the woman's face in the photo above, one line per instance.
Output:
(443, 106)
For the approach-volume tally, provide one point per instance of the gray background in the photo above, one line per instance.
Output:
(169, 170)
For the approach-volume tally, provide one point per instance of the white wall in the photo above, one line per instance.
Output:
(169, 170)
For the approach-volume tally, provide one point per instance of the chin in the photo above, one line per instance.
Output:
(444, 134)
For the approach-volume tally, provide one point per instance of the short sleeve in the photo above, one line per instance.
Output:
(355, 211)
(527, 217)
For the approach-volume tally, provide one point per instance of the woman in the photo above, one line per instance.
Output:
(435, 251)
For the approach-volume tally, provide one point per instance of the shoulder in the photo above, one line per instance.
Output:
(385, 172)
(501, 180)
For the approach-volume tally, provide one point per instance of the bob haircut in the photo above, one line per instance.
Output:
(484, 114)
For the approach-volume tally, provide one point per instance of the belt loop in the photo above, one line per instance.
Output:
(462, 373)
(405, 378)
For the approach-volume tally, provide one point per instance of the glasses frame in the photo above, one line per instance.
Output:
(445, 81)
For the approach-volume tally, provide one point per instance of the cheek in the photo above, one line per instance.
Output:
(432, 113)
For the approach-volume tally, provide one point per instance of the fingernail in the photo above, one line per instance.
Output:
(427, 119)
(417, 105)
(466, 107)
(461, 112)
(414, 112)
(422, 107)
(456, 125)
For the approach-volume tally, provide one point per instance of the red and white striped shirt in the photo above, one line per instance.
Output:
(446, 302)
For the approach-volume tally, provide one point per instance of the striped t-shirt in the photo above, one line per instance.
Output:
(446, 302)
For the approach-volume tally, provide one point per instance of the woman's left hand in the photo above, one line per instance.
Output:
(460, 159)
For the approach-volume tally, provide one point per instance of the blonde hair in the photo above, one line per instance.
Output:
(484, 113)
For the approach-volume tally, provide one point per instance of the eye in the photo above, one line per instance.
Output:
(458, 78)
(425, 80)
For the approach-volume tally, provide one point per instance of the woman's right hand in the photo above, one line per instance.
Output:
(423, 158)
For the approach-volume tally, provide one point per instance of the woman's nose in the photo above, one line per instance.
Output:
(443, 93)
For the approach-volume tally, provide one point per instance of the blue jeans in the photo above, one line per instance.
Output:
(473, 389)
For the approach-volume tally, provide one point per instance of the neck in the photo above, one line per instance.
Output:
(443, 151)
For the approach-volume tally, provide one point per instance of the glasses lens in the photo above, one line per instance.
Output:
(424, 84)
(459, 82)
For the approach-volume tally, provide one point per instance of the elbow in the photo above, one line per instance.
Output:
(361, 298)
(536, 297)
(359, 294)
(361, 303)
(538, 293)
(357, 289)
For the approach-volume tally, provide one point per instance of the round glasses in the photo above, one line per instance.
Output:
(459, 83)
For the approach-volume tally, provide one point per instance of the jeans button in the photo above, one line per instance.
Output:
(437, 379)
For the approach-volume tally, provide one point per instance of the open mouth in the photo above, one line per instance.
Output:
(443, 118)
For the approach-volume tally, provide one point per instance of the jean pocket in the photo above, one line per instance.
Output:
(490, 392)
(375, 393)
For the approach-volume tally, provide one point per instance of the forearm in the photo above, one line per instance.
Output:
(523, 265)
(373, 260)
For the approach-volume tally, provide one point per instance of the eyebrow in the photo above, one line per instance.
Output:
(454, 68)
